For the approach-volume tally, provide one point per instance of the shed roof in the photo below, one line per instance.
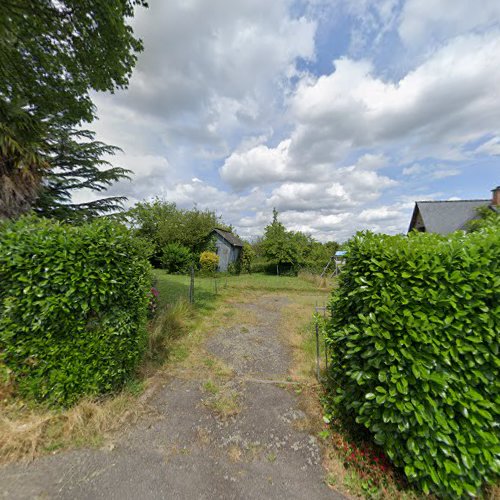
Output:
(444, 217)
(229, 237)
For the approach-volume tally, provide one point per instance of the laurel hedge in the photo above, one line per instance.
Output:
(73, 307)
(414, 336)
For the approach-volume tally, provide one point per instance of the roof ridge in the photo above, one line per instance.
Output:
(451, 201)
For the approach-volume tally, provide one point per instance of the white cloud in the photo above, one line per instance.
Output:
(434, 109)
(490, 147)
(221, 89)
(414, 170)
(423, 22)
(258, 165)
(209, 66)
(444, 173)
(430, 171)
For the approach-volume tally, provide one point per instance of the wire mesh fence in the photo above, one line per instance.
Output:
(322, 346)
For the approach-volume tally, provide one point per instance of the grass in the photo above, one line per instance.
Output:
(26, 432)
(224, 403)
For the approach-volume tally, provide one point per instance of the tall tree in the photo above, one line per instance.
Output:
(22, 160)
(53, 53)
(279, 245)
(76, 161)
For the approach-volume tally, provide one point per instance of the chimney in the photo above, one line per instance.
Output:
(495, 199)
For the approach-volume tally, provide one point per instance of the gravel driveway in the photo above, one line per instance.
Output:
(185, 449)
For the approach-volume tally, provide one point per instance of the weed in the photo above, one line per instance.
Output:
(211, 387)
(167, 326)
(271, 457)
(209, 362)
(234, 453)
(225, 403)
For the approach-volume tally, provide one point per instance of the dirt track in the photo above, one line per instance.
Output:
(187, 448)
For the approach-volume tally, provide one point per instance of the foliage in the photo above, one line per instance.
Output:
(76, 162)
(414, 343)
(234, 267)
(163, 223)
(22, 162)
(153, 301)
(485, 216)
(53, 54)
(247, 255)
(176, 258)
(291, 251)
(209, 262)
(279, 245)
(73, 306)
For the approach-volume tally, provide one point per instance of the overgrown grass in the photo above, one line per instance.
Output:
(26, 432)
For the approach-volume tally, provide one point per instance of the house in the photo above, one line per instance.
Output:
(228, 248)
(444, 217)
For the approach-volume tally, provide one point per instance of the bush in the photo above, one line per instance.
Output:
(247, 255)
(176, 258)
(234, 268)
(209, 262)
(415, 353)
(73, 307)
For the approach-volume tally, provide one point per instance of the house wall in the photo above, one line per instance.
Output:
(226, 252)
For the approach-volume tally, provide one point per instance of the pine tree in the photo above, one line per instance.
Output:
(77, 162)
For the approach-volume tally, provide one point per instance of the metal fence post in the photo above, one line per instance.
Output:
(191, 287)
(317, 351)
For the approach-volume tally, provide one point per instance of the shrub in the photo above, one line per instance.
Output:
(73, 307)
(176, 258)
(209, 262)
(234, 268)
(246, 257)
(415, 353)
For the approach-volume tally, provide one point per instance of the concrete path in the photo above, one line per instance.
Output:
(185, 449)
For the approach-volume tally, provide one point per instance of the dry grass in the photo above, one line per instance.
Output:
(324, 283)
(26, 433)
(168, 326)
(234, 452)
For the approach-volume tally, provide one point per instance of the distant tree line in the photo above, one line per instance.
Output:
(290, 251)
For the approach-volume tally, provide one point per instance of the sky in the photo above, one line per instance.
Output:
(338, 113)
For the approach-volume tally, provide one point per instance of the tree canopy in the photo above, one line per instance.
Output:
(163, 223)
(293, 249)
(53, 53)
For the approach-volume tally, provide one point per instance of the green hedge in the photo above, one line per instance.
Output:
(73, 307)
(414, 338)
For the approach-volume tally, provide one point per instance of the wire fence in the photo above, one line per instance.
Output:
(322, 346)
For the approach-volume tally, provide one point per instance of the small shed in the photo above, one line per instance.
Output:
(228, 248)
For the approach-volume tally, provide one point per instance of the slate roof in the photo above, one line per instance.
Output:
(229, 237)
(444, 217)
